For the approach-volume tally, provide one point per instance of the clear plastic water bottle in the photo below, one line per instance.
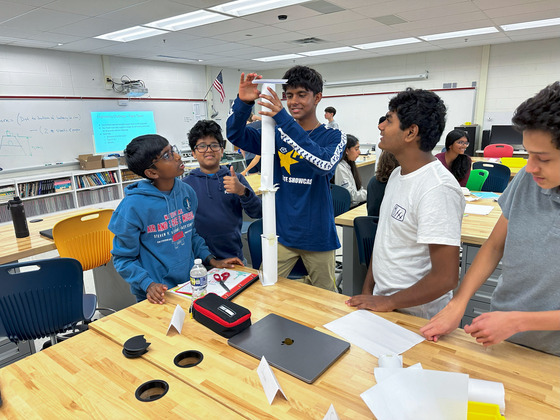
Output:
(199, 282)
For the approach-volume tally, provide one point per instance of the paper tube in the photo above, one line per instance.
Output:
(269, 239)
(487, 392)
(390, 361)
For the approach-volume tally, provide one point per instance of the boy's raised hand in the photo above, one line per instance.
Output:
(232, 184)
(248, 92)
(274, 103)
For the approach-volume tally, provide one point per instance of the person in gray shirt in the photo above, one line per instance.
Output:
(330, 112)
(525, 306)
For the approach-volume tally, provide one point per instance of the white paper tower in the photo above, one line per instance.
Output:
(268, 149)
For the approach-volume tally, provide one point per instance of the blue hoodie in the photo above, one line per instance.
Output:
(304, 163)
(155, 239)
(220, 215)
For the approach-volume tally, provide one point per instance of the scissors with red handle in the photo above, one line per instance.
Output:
(221, 278)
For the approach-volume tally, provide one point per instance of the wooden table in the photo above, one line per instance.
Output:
(254, 181)
(531, 378)
(13, 249)
(475, 230)
(365, 160)
(87, 377)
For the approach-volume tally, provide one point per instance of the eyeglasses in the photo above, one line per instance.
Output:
(463, 143)
(170, 155)
(201, 148)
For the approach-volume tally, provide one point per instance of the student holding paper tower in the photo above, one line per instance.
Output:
(305, 160)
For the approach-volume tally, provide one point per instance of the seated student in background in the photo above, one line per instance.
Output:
(155, 241)
(222, 194)
(376, 186)
(454, 157)
(415, 261)
(525, 306)
(347, 175)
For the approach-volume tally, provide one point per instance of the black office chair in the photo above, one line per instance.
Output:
(498, 176)
(365, 228)
(341, 199)
(254, 233)
(43, 298)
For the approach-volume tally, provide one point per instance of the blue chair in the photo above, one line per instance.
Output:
(254, 233)
(365, 228)
(43, 298)
(341, 199)
(498, 176)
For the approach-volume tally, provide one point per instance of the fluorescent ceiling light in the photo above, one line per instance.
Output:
(533, 24)
(131, 34)
(388, 79)
(328, 51)
(248, 7)
(460, 34)
(278, 57)
(389, 43)
(187, 20)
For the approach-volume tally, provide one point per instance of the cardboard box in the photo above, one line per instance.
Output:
(110, 162)
(90, 161)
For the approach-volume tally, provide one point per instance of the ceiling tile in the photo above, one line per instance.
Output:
(148, 11)
(11, 10)
(92, 7)
(44, 20)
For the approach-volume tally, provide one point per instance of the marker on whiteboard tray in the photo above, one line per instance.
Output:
(53, 164)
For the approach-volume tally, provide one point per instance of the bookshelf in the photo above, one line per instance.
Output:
(58, 191)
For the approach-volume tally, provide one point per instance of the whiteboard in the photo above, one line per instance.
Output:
(38, 132)
(359, 114)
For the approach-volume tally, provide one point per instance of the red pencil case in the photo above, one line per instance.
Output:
(221, 315)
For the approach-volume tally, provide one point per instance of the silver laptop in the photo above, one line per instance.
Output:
(291, 347)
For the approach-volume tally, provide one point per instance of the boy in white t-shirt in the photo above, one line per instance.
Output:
(415, 261)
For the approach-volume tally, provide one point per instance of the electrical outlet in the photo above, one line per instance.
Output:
(108, 82)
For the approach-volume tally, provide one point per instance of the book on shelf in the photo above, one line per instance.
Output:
(7, 193)
(62, 185)
(234, 281)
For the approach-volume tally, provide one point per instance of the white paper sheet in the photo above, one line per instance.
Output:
(374, 334)
(478, 209)
(418, 394)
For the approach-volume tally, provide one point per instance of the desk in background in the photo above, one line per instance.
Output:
(514, 171)
(228, 376)
(13, 249)
(516, 153)
(475, 230)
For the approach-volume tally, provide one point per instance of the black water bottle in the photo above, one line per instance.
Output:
(18, 217)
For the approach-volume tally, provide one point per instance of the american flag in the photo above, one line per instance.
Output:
(219, 86)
